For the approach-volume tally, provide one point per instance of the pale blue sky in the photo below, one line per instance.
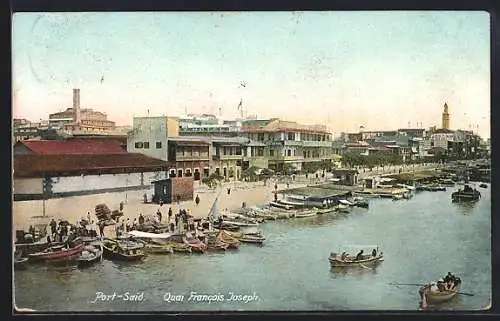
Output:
(341, 69)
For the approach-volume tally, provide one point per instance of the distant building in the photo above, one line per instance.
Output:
(82, 120)
(445, 118)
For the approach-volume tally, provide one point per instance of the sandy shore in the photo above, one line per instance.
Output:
(75, 207)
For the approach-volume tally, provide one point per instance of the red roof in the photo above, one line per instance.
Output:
(30, 166)
(82, 146)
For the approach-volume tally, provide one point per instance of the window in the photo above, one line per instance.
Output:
(158, 145)
(138, 145)
(260, 137)
(260, 152)
(271, 152)
(291, 136)
(238, 150)
(146, 144)
(289, 152)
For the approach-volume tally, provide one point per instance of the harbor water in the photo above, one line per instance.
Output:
(422, 238)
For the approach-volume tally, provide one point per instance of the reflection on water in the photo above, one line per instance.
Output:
(291, 270)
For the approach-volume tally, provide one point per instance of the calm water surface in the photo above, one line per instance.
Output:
(422, 238)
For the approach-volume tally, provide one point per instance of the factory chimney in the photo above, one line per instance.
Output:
(76, 106)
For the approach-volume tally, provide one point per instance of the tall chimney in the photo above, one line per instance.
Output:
(76, 106)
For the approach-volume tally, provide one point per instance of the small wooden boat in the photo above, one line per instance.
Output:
(306, 213)
(55, 253)
(466, 195)
(483, 185)
(20, 263)
(350, 261)
(225, 237)
(326, 210)
(115, 250)
(249, 238)
(158, 248)
(279, 205)
(90, 255)
(195, 244)
(430, 295)
(397, 197)
(180, 247)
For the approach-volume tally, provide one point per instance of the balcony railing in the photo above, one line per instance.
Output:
(218, 157)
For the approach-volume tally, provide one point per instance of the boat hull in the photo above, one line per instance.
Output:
(58, 255)
(111, 254)
(432, 297)
(370, 262)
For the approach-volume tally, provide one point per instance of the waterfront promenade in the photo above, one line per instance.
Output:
(253, 193)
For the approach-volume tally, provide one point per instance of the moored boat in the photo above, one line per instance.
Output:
(483, 185)
(60, 252)
(326, 210)
(306, 213)
(467, 194)
(116, 250)
(20, 263)
(90, 255)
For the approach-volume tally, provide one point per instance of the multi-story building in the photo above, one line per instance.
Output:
(289, 142)
(149, 136)
(80, 119)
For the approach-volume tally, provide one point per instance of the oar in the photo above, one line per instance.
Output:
(412, 284)
(463, 293)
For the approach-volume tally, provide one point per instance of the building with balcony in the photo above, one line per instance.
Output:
(289, 142)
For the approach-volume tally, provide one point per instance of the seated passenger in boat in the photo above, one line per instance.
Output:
(343, 257)
(374, 252)
(434, 287)
(359, 256)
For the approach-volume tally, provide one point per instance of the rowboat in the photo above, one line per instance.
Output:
(90, 255)
(325, 210)
(350, 261)
(428, 295)
(306, 213)
(20, 263)
(180, 247)
(158, 248)
(279, 205)
(55, 253)
(115, 250)
(228, 239)
(249, 238)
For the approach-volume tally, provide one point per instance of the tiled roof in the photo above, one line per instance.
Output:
(74, 146)
(77, 164)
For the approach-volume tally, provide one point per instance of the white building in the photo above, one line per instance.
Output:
(149, 136)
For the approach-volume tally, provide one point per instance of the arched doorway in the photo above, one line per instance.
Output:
(172, 173)
(179, 173)
(188, 173)
(196, 174)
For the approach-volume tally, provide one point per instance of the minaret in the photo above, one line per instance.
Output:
(446, 117)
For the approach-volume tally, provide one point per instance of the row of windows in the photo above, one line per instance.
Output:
(145, 145)
(292, 136)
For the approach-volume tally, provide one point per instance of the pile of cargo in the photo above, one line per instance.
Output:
(105, 215)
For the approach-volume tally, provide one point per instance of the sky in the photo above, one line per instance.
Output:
(380, 70)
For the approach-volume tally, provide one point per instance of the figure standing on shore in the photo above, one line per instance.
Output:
(197, 200)
(229, 191)
(158, 213)
(169, 213)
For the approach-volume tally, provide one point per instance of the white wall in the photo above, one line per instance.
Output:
(95, 182)
(28, 186)
(152, 130)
